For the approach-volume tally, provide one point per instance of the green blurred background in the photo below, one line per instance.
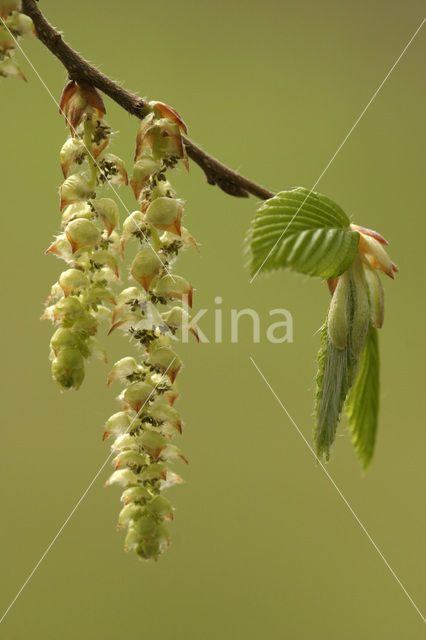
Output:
(263, 545)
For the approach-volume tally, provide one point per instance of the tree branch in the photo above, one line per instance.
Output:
(78, 68)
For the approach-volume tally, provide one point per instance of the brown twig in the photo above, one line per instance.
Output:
(79, 69)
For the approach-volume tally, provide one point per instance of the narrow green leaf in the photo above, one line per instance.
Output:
(343, 337)
(304, 231)
(362, 405)
(334, 379)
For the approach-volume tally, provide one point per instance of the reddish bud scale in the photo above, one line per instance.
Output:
(78, 100)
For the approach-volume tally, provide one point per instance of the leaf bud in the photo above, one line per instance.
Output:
(372, 251)
(361, 316)
(337, 323)
(376, 297)
(369, 232)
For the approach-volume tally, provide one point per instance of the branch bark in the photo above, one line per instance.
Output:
(78, 68)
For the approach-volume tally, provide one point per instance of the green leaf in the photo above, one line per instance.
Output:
(362, 405)
(338, 358)
(334, 379)
(304, 231)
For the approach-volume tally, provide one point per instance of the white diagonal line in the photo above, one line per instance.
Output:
(82, 497)
(78, 503)
(111, 186)
(338, 490)
(343, 142)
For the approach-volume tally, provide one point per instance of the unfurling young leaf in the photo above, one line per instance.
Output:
(348, 362)
(362, 404)
(343, 338)
(304, 231)
(338, 358)
(310, 234)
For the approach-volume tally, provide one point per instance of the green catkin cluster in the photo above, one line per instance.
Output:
(143, 431)
(18, 25)
(89, 242)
